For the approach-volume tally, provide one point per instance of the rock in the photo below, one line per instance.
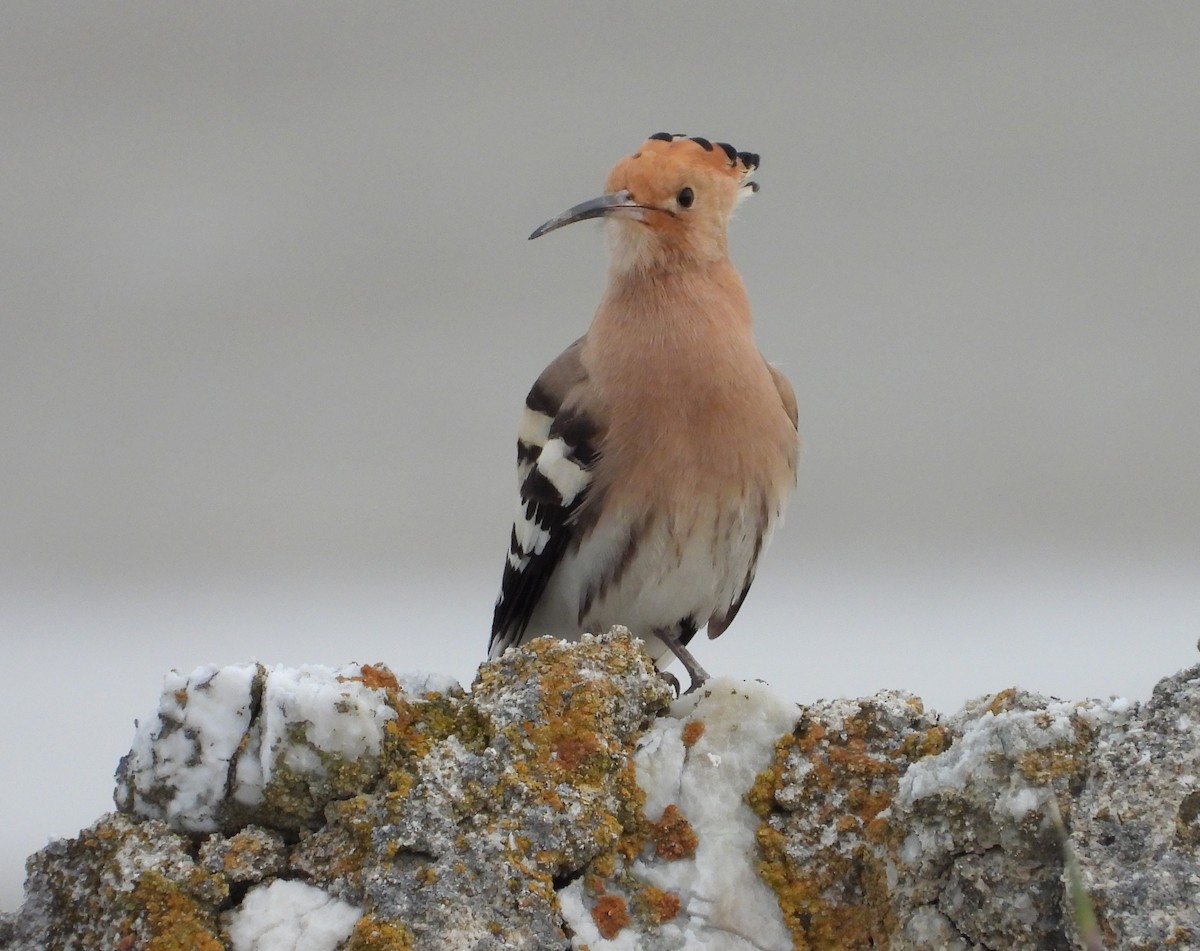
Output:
(124, 884)
(827, 842)
(686, 876)
(567, 802)
(978, 843)
(493, 802)
(246, 857)
(1134, 823)
(284, 915)
(235, 745)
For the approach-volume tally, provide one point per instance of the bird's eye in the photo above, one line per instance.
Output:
(685, 197)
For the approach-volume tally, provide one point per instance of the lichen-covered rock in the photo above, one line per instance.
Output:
(884, 826)
(566, 802)
(973, 828)
(825, 837)
(121, 884)
(419, 815)
(494, 801)
(246, 857)
(1135, 823)
(235, 745)
(686, 876)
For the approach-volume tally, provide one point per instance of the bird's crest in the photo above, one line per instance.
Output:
(721, 156)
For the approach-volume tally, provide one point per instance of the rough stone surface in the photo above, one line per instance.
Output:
(494, 801)
(1136, 821)
(284, 915)
(272, 745)
(687, 876)
(247, 857)
(123, 884)
(826, 841)
(566, 802)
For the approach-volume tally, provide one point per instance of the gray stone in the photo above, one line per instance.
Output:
(480, 815)
(246, 857)
(120, 884)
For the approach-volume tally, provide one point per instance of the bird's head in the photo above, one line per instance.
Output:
(669, 202)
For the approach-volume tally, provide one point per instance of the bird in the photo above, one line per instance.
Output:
(657, 453)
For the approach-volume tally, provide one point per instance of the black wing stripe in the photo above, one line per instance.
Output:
(550, 496)
(550, 493)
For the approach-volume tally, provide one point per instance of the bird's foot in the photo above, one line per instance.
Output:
(697, 673)
(697, 683)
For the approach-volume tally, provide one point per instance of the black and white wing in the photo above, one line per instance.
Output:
(556, 449)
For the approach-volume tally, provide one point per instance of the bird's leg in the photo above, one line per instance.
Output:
(684, 656)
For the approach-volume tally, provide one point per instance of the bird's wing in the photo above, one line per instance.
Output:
(556, 449)
(719, 622)
(786, 395)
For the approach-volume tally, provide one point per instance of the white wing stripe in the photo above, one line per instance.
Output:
(531, 537)
(567, 476)
(534, 428)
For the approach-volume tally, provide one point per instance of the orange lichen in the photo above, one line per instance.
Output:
(819, 922)
(834, 895)
(173, 920)
(564, 749)
(248, 856)
(417, 727)
(610, 915)
(1043, 766)
(572, 751)
(656, 904)
(407, 730)
(1060, 763)
(692, 731)
(673, 836)
(937, 739)
(378, 677)
(378, 934)
(761, 795)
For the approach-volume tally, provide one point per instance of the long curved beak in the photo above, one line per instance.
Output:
(618, 203)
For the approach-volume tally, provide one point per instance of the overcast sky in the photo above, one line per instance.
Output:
(268, 313)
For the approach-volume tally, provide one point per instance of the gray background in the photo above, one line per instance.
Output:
(267, 315)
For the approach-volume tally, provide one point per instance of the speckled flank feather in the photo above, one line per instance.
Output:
(657, 453)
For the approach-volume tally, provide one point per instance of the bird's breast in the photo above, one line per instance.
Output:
(691, 439)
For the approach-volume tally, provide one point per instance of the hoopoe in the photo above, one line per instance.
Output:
(656, 454)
